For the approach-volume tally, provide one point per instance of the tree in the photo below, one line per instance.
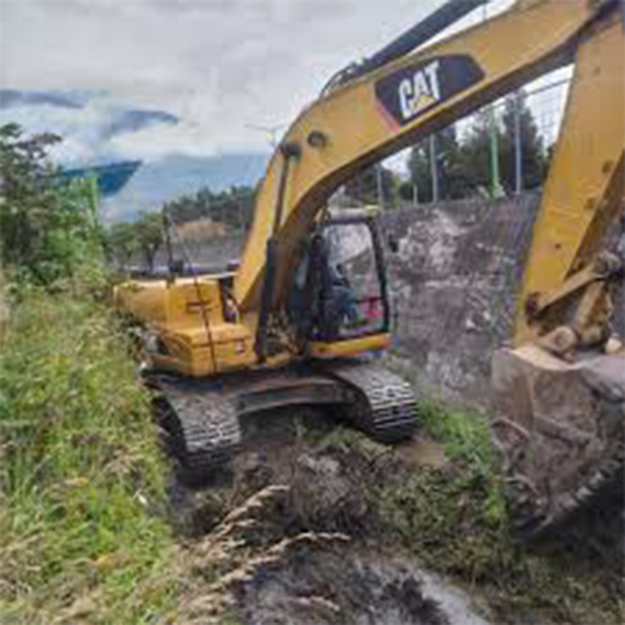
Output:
(46, 226)
(149, 236)
(365, 186)
(452, 183)
(463, 164)
(474, 157)
(122, 243)
(534, 159)
(233, 207)
(475, 150)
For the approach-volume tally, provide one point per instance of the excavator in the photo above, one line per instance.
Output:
(297, 321)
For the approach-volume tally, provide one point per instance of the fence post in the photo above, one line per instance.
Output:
(434, 168)
(495, 178)
(518, 147)
(380, 188)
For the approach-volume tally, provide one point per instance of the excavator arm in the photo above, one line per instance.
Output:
(558, 413)
(389, 108)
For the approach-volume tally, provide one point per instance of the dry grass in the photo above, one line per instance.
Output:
(198, 231)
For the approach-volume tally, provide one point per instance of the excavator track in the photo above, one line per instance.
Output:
(203, 418)
(201, 424)
(385, 406)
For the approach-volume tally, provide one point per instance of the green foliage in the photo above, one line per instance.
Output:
(464, 163)
(47, 229)
(126, 241)
(82, 535)
(366, 186)
(149, 236)
(452, 180)
(464, 433)
(233, 207)
(454, 519)
(534, 157)
(121, 242)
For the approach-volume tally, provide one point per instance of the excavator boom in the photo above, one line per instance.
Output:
(390, 108)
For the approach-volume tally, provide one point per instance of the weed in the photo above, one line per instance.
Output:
(454, 520)
(81, 476)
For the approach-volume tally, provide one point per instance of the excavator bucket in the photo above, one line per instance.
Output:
(558, 429)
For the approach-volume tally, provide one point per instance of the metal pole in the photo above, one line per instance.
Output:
(434, 168)
(495, 180)
(378, 172)
(518, 147)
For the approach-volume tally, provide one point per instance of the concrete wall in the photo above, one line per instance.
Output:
(214, 253)
(453, 281)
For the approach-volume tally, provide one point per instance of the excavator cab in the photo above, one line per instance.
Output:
(339, 289)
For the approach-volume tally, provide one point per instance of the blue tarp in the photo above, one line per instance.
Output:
(111, 178)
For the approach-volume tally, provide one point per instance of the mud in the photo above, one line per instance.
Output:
(290, 535)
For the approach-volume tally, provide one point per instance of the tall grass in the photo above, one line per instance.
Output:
(82, 534)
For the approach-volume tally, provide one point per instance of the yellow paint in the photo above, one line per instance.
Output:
(583, 190)
(511, 49)
(350, 347)
(197, 343)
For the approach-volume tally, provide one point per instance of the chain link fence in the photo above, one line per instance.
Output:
(545, 104)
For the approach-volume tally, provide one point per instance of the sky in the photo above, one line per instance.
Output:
(150, 78)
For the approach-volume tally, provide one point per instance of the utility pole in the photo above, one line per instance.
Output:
(495, 178)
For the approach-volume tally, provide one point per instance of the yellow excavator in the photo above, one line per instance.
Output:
(293, 324)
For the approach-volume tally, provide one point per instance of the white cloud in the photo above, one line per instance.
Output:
(216, 64)
(219, 65)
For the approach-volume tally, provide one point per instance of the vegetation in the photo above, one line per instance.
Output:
(454, 520)
(370, 184)
(463, 163)
(82, 531)
(47, 229)
(233, 207)
(140, 239)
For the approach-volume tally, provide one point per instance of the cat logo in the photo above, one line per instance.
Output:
(410, 91)
(420, 92)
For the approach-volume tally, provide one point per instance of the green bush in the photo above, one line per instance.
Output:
(48, 229)
(82, 529)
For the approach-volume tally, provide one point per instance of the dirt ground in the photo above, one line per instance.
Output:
(296, 533)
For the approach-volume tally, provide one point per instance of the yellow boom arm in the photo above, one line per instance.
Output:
(392, 107)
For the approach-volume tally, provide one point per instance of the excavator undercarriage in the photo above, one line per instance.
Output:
(204, 418)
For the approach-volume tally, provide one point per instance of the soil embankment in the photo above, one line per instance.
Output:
(318, 525)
